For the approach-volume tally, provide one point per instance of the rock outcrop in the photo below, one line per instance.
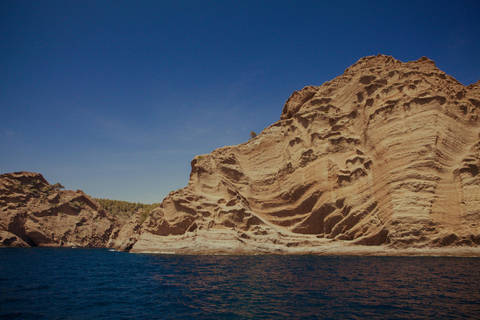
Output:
(35, 213)
(386, 154)
(128, 234)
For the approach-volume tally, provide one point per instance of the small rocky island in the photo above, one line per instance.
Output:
(383, 159)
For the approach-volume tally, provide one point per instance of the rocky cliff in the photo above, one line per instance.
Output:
(386, 154)
(35, 213)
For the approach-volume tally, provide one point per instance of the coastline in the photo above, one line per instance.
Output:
(199, 245)
(456, 252)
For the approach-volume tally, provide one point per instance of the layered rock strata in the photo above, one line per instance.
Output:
(386, 154)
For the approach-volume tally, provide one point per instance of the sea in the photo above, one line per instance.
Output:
(61, 283)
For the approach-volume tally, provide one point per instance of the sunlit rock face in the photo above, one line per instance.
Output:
(386, 154)
(35, 213)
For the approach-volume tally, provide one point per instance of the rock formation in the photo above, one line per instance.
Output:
(125, 238)
(35, 213)
(386, 154)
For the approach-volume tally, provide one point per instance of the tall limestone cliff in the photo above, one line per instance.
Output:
(386, 154)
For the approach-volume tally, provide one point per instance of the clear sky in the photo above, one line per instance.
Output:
(116, 97)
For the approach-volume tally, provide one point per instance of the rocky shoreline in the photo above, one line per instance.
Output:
(218, 244)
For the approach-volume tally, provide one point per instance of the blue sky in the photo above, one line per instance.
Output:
(116, 97)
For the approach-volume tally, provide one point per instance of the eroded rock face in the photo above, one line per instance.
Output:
(128, 234)
(386, 154)
(8, 239)
(35, 213)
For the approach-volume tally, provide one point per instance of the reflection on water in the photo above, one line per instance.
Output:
(81, 284)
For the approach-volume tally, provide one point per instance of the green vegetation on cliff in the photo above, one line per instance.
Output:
(124, 210)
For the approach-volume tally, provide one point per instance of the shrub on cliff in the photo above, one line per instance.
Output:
(124, 209)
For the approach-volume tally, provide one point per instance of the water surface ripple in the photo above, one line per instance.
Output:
(56, 283)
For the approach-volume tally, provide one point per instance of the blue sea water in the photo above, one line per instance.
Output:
(57, 283)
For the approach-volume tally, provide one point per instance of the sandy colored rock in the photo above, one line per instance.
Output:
(124, 238)
(36, 213)
(8, 239)
(387, 154)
